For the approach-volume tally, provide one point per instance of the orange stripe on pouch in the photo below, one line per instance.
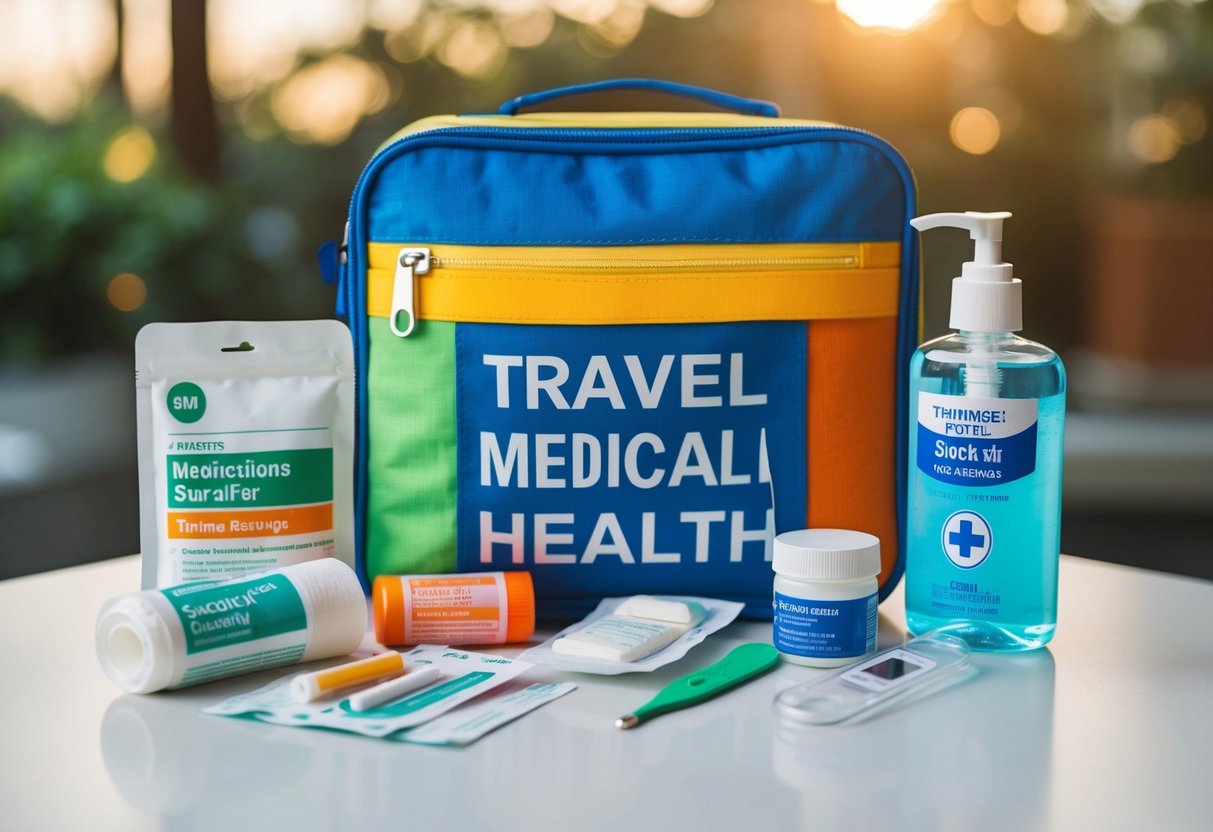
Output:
(852, 459)
(273, 522)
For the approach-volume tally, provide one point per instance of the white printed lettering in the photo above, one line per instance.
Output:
(703, 521)
(740, 535)
(491, 459)
(545, 460)
(607, 523)
(598, 370)
(544, 538)
(503, 363)
(727, 477)
(691, 380)
(514, 538)
(738, 398)
(549, 385)
(649, 394)
(586, 460)
(648, 544)
(629, 460)
(692, 443)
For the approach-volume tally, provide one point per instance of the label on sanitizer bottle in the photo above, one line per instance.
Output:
(825, 629)
(976, 442)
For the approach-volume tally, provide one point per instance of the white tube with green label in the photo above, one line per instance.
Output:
(198, 632)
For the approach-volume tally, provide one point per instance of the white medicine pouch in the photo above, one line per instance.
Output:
(246, 432)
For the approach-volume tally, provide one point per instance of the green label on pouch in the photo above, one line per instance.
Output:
(234, 612)
(251, 480)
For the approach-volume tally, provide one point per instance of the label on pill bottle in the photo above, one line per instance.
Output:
(220, 618)
(825, 629)
(455, 609)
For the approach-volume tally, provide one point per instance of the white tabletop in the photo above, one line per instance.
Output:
(1111, 728)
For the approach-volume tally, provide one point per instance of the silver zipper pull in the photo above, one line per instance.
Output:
(410, 264)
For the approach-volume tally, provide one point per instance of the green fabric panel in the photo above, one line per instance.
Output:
(410, 511)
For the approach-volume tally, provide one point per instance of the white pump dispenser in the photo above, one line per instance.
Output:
(985, 298)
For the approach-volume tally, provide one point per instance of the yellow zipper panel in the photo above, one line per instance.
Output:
(640, 284)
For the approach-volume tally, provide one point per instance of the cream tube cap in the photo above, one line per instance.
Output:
(826, 555)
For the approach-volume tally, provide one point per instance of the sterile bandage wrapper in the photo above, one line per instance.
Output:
(468, 723)
(639, 627)
(717, 615)
(465, 675)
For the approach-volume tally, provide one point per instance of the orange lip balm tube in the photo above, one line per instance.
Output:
(475, 608)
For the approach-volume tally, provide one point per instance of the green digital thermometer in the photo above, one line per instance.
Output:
(740, 665)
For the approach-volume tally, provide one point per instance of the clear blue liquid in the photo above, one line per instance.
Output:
(1020, 571)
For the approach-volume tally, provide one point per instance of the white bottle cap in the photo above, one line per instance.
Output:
(826, 555)
(985, 298)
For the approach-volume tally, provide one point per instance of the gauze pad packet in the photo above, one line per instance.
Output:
(246, 435)
(634, 635)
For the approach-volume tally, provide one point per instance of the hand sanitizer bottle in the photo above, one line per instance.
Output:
(984, 514)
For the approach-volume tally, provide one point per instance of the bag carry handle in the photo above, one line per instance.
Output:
(748, 106)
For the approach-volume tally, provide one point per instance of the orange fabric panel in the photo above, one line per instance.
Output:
(852, 429)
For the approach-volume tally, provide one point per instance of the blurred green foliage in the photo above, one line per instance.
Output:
(68, 229)
(243, 247)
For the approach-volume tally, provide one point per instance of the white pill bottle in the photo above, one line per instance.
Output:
(197, 632)
(825, 596)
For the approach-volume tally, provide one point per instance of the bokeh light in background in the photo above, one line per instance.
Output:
(975, 130)
(129, 154)
(146, 55)
(126, 292)
(1188, 117)
(1120, 11)
(254, 45)
(1154, 139)
(995, 12)
(1044, 17)
(324, 101)
(62, 50)
(889, 14)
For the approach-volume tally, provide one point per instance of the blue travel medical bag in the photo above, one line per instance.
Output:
(624, 350)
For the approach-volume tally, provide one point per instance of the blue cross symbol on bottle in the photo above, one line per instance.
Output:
(966, 539)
